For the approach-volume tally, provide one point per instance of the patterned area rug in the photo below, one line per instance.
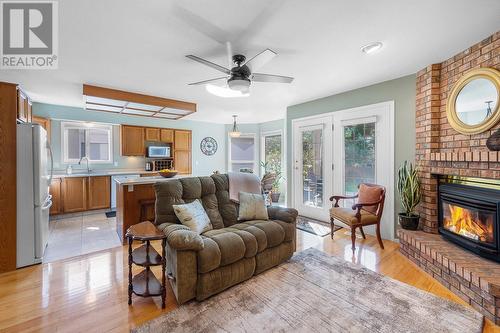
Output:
(315, 292)
(313, 226)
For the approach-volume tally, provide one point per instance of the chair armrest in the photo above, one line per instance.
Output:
(360, 205)
(288, 215)
(338, 197)
(180, 237)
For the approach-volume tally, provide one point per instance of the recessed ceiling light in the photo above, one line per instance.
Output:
(372, 47)
(225, 92)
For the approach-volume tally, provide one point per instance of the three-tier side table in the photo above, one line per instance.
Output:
(145, 284)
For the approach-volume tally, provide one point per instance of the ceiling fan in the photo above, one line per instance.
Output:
(242, 74)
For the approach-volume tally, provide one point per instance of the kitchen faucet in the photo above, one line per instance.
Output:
(86, 159)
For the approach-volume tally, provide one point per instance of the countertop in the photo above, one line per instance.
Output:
(145, 180)
(104, 172)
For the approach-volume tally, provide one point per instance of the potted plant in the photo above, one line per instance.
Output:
(410, 194)
(273, 173)
(275, 192)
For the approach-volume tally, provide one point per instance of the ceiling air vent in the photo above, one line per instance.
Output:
(124, 102)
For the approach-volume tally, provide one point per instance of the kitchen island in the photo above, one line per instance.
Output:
(135, 201)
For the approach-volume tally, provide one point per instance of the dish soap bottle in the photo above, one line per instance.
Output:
(69, 170)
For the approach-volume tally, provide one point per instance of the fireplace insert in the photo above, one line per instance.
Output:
(469, 216)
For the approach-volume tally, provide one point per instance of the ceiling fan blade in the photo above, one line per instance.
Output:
(229, 51)
(209, 64)
(259, 77)
(200, 24)
(260, 59)
(207, 81)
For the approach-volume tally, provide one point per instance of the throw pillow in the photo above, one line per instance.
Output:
(193, 216)
(368, 194)
(252, 207)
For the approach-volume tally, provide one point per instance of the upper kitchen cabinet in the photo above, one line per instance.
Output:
(166, 135)
(182, 151)
(182, 140)
(132, 140)
(24, 112)
(45, 123)
(152, 134)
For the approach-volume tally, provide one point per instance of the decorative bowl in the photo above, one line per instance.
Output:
(167, 174)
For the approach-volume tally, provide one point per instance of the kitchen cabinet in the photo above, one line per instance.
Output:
(132, 140)
(182, 151)
(78, 194)
(44, 122)
(24, 112)
(182, 140)
(99, 188)
(167, 135)
(55, 191)
(74, 194)
(152, 134)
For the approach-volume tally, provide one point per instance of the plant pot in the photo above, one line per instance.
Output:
(275, 197)
(408, 222)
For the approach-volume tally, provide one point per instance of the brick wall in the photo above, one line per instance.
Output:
(439, 148)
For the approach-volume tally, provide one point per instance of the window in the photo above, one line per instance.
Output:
(272, 150)
(90, 140)
(242, 156)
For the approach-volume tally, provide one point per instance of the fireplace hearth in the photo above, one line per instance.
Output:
(469, 216)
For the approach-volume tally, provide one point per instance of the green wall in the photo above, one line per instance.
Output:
(202, 165)
(402, 91)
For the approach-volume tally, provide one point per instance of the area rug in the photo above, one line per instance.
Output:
(313, 226)
(315, 292)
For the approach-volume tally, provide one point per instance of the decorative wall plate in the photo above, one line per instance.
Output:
(208, 146)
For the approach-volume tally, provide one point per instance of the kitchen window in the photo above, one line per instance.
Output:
(91, 140)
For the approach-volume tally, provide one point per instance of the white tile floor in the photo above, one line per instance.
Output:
(80, 234)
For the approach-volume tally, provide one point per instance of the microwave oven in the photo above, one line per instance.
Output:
(159, 151)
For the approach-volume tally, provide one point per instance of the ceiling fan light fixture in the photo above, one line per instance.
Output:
(225, 92)
(235, 133)
(372, 47)
(240, 84)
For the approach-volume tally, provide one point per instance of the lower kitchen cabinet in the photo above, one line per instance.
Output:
(78, 194)
(74, 193)
(55, 191)
(99, 189)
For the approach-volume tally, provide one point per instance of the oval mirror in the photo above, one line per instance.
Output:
(474, 100)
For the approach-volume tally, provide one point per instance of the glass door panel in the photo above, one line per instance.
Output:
(359, 152)
(312, 167)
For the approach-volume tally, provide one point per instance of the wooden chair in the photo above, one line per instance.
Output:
(367, 211)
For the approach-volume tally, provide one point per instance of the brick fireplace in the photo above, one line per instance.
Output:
(443, 152)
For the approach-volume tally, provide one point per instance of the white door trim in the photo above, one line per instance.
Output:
(388, 106)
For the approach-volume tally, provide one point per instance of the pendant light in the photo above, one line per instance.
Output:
(235, 133)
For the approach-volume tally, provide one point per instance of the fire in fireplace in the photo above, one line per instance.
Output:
(471, 223)
(469, 216)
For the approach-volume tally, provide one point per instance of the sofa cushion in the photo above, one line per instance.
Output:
(273, 231)
(288, 228)
(258, 234)
(230, 248)
(227, 208)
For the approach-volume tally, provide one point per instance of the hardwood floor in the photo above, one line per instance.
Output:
(89, 293)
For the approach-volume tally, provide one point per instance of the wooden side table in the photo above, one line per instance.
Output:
(145, 284)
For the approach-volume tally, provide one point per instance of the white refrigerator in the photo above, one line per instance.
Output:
(34, 174)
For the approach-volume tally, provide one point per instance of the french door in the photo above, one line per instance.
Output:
(312, 166)
(333, 154)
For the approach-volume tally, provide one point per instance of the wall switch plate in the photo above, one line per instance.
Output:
(115, 163)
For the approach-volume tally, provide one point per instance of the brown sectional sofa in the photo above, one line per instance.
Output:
(200, 266)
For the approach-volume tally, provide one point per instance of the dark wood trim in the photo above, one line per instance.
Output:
(8, 200)
(89, 90)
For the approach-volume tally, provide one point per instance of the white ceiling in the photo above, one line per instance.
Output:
(140, 46)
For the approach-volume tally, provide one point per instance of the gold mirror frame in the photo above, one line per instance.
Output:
(490, 74)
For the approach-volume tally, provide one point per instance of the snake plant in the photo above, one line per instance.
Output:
(409, 187)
